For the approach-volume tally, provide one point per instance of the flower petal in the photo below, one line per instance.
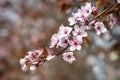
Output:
(78, 47)
(72, 48)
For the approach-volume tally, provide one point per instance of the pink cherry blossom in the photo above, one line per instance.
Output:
(82, 16)
(112, 21)
(61, 38)
(32, 60)
(64, 42)
(87, 8)
(73, 20)
(75, 43)
(100, 28)
(55, 41)
(23, 64)
(68, 56)
(64, 31)
(79, 31)
(35, 53)
(33, 56)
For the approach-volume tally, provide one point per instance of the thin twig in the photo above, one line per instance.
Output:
(62, 50)
(111, 6)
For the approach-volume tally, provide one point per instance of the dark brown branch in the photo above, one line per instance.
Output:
(111, 6)
(62, 50)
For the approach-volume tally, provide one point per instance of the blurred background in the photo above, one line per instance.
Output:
(29, 24)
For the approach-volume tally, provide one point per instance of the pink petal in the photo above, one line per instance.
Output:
(74, 33)
(76, 27)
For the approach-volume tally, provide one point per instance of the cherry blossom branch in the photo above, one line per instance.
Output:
(111, 6)
(64, 37)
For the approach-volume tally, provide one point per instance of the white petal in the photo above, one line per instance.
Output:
(85, 34)
(30, 53)
(71, 23)
(63, 45)
(76, 27)
(73, 58)
(82, 28)
(78, 47)
(71, 20)
(24, 67)
(34, 62)
(32, 67)
(104, 30)
(69, 59)
(70, 62)
(74, 33)
(51, 46)
(98, 32)
(72, 48)
(61, 27)
(79, 37)
(22, 61)
(70, 42)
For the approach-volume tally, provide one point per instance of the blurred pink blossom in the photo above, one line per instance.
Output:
(68, 56)
(79, 31)
(73, 20)
(75, 43)
(100, 28)
(112, 20)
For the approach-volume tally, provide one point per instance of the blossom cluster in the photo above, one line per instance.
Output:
(34, 58)
(79, 23)
(69, 37)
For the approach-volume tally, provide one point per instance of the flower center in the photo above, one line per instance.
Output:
(79, 33)
(75, 43)
(98, 28)
(69, 56)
